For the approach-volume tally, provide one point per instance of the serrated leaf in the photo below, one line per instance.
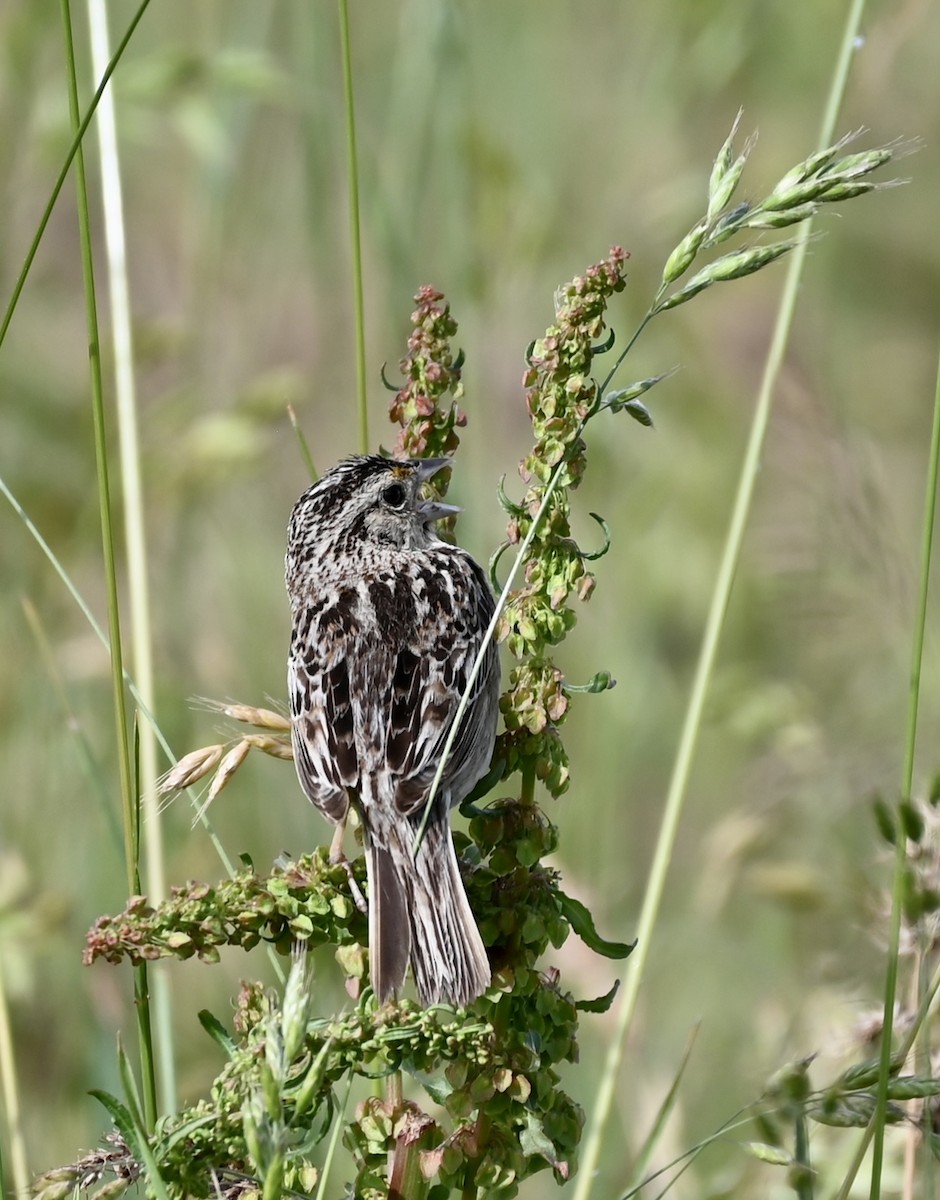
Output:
(217, 1031)
(581, 921)
(601, 1004)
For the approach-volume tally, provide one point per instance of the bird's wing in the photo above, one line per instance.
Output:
(429, 679)
(322, 728)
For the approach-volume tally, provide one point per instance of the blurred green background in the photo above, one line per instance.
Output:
(502, 149)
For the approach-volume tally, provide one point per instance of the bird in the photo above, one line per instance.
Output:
(387, 621)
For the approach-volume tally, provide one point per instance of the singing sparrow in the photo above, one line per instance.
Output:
(387, 621)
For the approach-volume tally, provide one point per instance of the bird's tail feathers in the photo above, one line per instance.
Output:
(389, 927)
(418, 909)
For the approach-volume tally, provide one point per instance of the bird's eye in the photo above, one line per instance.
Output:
(394, 495)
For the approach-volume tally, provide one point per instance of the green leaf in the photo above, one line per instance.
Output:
(582, 923)
(590, 557)
(533, 1140)
(603, 681)
(131, 1092)
(217, 1031)
(912, 822)
(123, 1121)
(605, 345)
(601, 1004)
(391, 387)
(494, 563)
(436, 1086)
(509, 507)
(884, 819)
(136, 1138)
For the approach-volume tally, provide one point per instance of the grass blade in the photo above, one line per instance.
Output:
(675, 799)
(129, 798)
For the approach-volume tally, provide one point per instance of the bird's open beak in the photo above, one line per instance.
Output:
(427, 468)
(434, 510)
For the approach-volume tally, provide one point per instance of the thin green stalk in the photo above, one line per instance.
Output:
(89, 616)
(64, 171)
(678, 784)
(353, 177)
(19, 1171)
(338, 1123)
(302, 444)
(96, 776)
(803, 1185)
(907, 778)
(134, 522)
(926, 1001)
(131, 816)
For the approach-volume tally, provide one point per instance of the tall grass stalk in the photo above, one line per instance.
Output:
(907, 780)
(19, 1170)
(129, 796)
(352, 166)
(731, 553)
(64, 170)
(134, 521)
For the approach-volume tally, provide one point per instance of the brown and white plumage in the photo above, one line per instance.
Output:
(387, 622)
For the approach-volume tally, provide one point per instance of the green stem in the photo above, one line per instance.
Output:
(353, 178)
(134, 520)
(804, 1179)
(678, 784)
(129, 798)
(907, 779)
(20, 1176)
(64, 171)
(527, 788)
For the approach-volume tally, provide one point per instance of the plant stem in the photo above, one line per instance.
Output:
(527, 787)
(19, 1171)
(356, 245)
(675, 798)
(907, 780)
(129, 798)
(64, 171)
(134, 520)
